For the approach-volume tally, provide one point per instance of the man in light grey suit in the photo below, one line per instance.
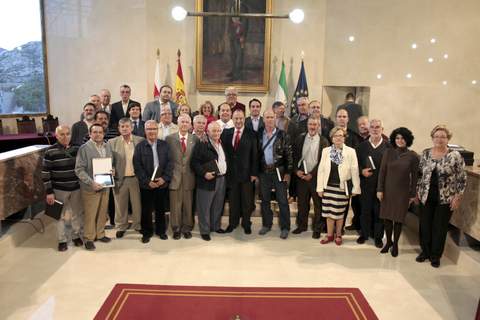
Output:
(152, 108)
(126, 183)
(94, 195)
(183, 179)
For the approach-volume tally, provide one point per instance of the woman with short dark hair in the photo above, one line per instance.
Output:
(440, 189)
(396, 188)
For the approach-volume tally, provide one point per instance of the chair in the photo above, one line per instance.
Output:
(49, 124)
(26, 125)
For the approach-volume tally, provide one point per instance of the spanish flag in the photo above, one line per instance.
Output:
(180, 96)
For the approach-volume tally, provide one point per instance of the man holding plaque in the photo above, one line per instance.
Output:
(369, 154)
(94, 194)
(307, 152)
(153, 168)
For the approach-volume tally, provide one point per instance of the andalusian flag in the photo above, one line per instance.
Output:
(282, 93)
(180, 96)
(156, 81)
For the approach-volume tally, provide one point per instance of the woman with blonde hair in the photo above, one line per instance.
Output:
(440, 188)
(337, 180)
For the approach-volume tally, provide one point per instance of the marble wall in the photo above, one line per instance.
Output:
(103, 44)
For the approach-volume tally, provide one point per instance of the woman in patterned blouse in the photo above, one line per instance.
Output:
(440, 189)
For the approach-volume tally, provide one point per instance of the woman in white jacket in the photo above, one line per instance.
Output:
(337, 180)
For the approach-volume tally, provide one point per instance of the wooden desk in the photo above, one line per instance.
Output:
(21, 179)
(15, 141)
(467, 217)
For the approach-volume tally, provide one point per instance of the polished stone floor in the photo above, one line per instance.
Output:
(37, 282)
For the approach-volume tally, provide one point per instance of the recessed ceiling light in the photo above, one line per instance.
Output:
(430, 60)
(379, 76)
(474, 81)
(433, 40)
(445, 56)
(444, 82)
(408, 75)
(351, 38)
(414, 46)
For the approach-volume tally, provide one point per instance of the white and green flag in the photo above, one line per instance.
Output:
(281, 94)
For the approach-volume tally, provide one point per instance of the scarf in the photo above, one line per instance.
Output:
(336, 155)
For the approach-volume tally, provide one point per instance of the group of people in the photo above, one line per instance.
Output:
(170, 160)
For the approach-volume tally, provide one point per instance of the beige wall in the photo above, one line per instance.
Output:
(102, 44)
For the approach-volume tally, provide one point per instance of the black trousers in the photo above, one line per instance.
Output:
(153, 201)
(111, 207)
(240, 201)
(306, 190)
(267, 182)
(434, 218)
(371, 224)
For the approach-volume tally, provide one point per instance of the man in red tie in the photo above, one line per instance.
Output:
(181, 187)
(241, 151)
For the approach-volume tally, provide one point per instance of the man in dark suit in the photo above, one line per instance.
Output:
(326, 125)
(151, 154)
(138, 125)
(231, 96)
(354, 111)
(241, 150)
(307, 151)
(120, 108)
(152, 108)
(80, 128)
(255, 121)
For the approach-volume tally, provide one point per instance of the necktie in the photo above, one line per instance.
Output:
(237, 140)
(135, 126)
(184, 146)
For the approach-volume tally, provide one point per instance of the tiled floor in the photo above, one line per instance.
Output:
(37, 282)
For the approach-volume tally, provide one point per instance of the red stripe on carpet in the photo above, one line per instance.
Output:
(135, 301)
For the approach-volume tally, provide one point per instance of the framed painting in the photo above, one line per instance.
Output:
(233, 51)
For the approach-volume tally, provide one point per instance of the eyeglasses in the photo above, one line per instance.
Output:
(338, 136)
(231, 94)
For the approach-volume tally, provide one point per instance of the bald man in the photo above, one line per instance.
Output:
(61, 184)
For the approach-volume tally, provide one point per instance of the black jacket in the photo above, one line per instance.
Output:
(140, 129)
(249, 125)
(243, 162)
(117, 113)
(282, 152)
(203, 152)
(297, 155)
(143, 163)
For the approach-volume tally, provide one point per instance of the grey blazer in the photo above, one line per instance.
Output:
(84, 165)
(182, 173)
(152, 111)
(119, 160)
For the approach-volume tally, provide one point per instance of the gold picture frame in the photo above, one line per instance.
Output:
(211, 68)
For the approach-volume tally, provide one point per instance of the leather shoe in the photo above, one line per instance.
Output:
(316, 235)
(206, 237)
(394, 251)
(109, 226)
(120, 234)
(89, 245)
(229, 229)
(421, 257)
(163, 236)
(220, 231)
(284, 234)
(177, 235)
(435, 262)
(105, 239)
(378, 243)
(187, 235)
(361, 240)
(297, 231)
(77, 242)
(350, 227)
(263, 231)
(145, 239)
(62, 246)
(247, 230)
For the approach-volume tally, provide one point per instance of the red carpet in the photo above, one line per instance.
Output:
(131, 301)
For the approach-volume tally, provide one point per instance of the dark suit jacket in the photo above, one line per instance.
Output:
(240, 106)
(249, 125)
(297, 155)
(143, 163)
(79, 131)
(140, 129)
(243, 162)
(117, 113)
(203, 152)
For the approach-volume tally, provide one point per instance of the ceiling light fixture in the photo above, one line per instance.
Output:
(351, 38)
(445, 56)
(179, 14)
(444, 82)
(379, 76)
(414, 46)
(433, 40)
(474, 81)
(408, 75)
(430, 60)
